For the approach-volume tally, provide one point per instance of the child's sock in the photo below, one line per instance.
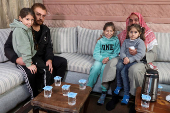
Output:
(117, 90)
(125, 99)
(102, 98)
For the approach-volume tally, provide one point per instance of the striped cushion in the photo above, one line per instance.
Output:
(4, 33)
(87, 39)
(78, 62)
(10, 76)
(164, 72)
(163, 50)
(64, 39)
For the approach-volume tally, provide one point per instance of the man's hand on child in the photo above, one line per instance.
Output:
(133, 51)
(33, 68)
(20, 61)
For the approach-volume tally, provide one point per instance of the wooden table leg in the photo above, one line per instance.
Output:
(35, 109)
(86, 105)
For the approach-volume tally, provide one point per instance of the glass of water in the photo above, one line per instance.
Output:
(159, 89)
(47, 91)
(65, 90)
(145, 101)
(72, 98)
(82, 84)
(57, 80)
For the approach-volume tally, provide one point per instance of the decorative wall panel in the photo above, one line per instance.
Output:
(89, 13)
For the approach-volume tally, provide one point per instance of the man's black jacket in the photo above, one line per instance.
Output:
(45, 49)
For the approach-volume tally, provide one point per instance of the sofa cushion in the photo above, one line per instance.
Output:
(64, 39)
(10, 76)
(87, 40)
(78, 62)
(163, 49)
(4, 33)
(164, 72)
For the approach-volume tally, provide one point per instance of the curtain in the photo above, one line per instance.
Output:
(9, 10)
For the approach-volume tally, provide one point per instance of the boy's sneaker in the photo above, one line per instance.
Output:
(117, 90)
(102, 98)
(125, 99)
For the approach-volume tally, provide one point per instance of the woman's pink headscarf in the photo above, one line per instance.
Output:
(150, 39)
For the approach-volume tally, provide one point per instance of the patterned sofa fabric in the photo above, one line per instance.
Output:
(10, 76)
(78, 62)
(163, 48)
(164, 72)
(87, 40)
(3, 37)
(64, 40)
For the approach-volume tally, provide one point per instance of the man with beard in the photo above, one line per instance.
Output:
(42, 40)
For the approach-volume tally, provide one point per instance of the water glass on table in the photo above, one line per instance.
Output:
(145, 100)
(57, 80)
(72, 98)
(65, 90)
(82, 84)
(47, 91)
(159, 89)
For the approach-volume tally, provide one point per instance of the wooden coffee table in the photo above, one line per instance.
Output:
(59, 103)
(159, 106)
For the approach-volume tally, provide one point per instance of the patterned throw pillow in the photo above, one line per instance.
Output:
(163, 48)
(4, 33)
(64, 40)
(87, 40)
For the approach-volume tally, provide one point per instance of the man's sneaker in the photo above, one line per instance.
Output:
(113, 102)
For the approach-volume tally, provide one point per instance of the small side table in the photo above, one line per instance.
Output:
(59, 103)
(159, 106)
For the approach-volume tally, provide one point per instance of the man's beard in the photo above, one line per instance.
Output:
(38, 22)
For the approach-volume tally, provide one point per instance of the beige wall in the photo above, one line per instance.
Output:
(94, 13)
(9, 10)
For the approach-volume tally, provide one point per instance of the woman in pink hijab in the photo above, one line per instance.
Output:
(136, 71)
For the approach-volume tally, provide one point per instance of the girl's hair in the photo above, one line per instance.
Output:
(26, 11)
(140, 29)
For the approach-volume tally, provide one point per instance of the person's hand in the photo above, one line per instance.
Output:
(20, 61)
(126, 60)
(99, 38)
(105, 60)
(133, 51)
(49, 63)
(32, 68)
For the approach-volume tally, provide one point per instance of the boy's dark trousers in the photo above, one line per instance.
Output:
(36, 81)
(44, 77)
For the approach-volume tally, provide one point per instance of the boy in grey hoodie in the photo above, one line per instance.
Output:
(22, 40)
(23, 43)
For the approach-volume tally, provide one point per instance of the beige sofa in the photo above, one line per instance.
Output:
(76, 44)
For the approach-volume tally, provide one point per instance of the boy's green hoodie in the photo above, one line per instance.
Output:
(22, 41)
